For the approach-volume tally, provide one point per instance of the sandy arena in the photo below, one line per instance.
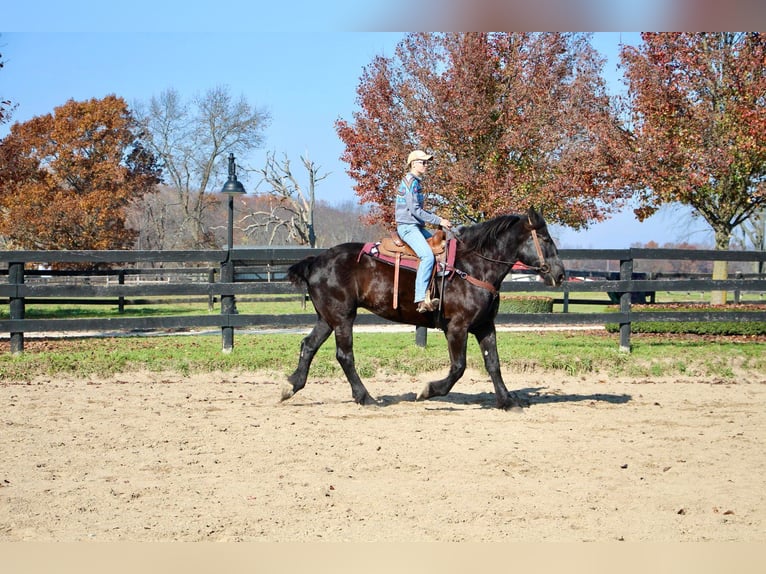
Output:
(148, 457)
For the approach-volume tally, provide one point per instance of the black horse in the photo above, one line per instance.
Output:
(340, 281)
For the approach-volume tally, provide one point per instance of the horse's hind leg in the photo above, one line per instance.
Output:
(309, 347)
(344, 352)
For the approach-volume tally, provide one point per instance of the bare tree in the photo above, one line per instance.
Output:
(345, 222)
(6, 106)
(156, 218)
(193, 141)
(290, 206)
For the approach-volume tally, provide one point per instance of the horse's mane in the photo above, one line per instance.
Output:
(481, 235)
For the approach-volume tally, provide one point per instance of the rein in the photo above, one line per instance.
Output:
(542, 268)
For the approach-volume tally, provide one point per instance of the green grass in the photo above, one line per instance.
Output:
(291, 304)
(567, 353)
(381, 354)
(281, 305)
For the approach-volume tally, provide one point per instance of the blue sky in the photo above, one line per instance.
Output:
(305, 79)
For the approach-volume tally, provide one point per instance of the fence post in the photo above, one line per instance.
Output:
(737, 292)
(16, 305)
(421, 336)
(121, 300)
(227, 305)
(626, 274)
(565, 306)
(211, 297)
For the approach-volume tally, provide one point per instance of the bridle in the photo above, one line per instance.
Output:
(544, 267)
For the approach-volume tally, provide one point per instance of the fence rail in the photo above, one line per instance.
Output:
(222, 276)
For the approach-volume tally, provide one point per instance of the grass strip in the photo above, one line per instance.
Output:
(383, 354)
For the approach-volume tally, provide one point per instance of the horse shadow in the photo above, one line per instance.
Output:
(530, 396)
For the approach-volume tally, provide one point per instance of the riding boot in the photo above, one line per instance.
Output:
(428, 304)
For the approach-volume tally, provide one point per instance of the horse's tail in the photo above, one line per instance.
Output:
(298, 273)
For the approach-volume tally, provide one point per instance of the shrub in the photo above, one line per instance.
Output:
(525, 304)
(702, 327)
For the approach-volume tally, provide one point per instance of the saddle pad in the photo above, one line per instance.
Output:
(373, 250)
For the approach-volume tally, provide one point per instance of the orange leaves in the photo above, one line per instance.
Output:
(66, 179)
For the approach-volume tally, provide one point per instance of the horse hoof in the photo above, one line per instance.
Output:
(367, 401)
(287, 392)
(514, 404)
(424, 394)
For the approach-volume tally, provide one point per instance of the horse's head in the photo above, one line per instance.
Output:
(539, 251)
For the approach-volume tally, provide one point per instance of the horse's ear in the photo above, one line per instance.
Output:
(533, 219)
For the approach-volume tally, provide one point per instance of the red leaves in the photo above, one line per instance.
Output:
(513, 120)
(698, 114)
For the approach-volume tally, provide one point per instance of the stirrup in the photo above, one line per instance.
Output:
(428, 305)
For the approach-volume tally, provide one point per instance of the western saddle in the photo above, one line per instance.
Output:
(397, 249)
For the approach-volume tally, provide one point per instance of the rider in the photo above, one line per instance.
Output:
(410, 224)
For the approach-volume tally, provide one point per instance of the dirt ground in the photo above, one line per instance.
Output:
(148, 457)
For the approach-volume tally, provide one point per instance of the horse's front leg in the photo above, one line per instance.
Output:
(344, 353)
(309, 346)
(456, 342)
(487, 338)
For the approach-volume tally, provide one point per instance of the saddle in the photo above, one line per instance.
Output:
(394, 251)
(394, 245)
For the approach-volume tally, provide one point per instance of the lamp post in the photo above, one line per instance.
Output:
(231, 188)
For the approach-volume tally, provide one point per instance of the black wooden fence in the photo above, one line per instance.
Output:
(129, 277)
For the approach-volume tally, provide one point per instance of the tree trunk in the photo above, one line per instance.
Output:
(720, 268)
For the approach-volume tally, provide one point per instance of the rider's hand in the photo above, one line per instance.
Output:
(446, 223)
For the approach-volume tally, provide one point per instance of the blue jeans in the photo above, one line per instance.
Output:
(415, 236)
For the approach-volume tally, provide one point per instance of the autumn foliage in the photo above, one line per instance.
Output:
(698, 109)
(66, 177)
(513, 120)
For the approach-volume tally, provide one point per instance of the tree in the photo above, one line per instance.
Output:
(67, 177)
(156, 219)
(193, 141)
(334, 224)
(698, 104)
(290, 206)
(344, 222)
(513, 119)
(6, 106)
